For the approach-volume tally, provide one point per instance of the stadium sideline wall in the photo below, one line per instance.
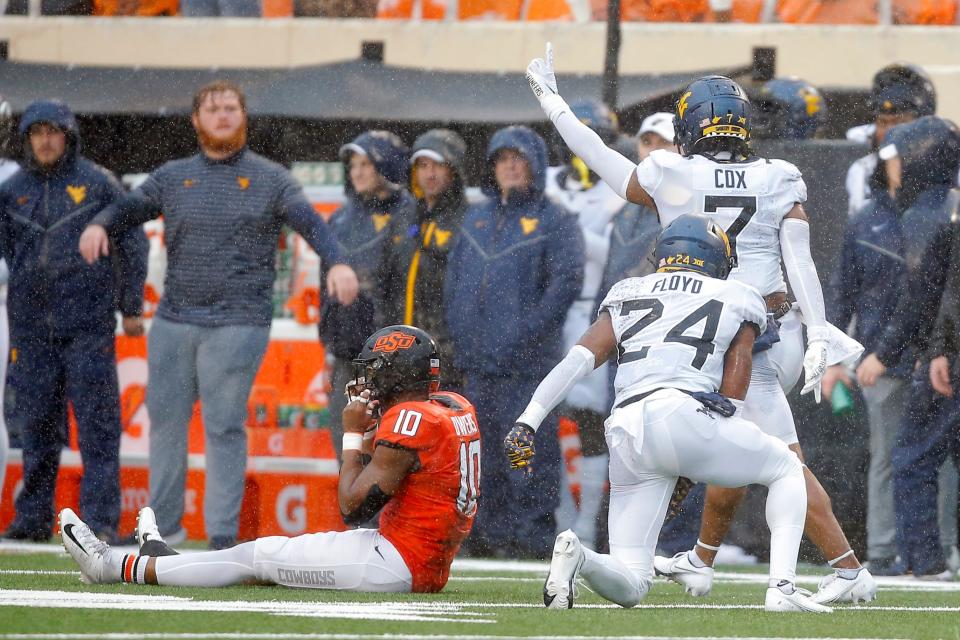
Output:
(824, 55)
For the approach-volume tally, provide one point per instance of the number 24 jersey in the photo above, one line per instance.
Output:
(433, 511)
(754, 195)
(673, 329)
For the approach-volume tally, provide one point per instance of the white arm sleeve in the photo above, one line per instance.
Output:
(577, 364)
(802, 274)
(614, 168)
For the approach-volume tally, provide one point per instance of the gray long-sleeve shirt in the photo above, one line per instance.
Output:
(222, 221)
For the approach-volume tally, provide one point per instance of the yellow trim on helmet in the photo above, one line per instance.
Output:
(682, 103)
(730, 130)
(718, 230)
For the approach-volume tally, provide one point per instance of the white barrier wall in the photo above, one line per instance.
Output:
(823, 55)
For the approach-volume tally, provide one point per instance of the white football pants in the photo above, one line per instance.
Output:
(357, 560)
(670, 435)
(775, 372)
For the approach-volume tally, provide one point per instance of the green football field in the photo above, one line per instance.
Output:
(42, 597)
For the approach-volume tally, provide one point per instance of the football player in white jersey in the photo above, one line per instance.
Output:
(759, 203)
(683, 338)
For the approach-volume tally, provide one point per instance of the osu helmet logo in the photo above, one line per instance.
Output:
(393, 342)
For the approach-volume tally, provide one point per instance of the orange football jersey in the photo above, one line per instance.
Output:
(432, 512)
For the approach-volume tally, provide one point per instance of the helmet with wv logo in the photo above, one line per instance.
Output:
(396, 359)
(711, 116)
(694, 242)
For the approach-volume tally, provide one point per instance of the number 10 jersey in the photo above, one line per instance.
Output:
(673, 329)
(748, 200)
(433, 511)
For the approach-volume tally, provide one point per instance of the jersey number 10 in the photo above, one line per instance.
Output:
(469, 477)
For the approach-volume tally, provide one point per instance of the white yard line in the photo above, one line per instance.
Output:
(357, 636)
(891, 583)
(398, 610)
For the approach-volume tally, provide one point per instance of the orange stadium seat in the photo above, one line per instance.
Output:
(404, 9)
(746, 10)
(277, 8)
(686, 10)
(139, 8)
(549, 10)
(827, 12)
(925, 11)
(665, 10)
(490, 9)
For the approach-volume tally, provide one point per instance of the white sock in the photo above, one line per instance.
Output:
(207, 568)
(786, 512)
(593, 471)
(612, 579)
(694, 558)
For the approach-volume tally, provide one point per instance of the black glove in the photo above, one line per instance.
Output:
(716, 402)
(769, 337)
(518, 445)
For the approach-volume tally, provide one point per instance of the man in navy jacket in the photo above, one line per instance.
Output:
(62, 319)
(516, 269)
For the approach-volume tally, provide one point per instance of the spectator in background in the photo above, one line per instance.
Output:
(921, 159)
(63, 320)
(376, 165)
(636, 227)
(901, 93)
(516, 269)
(576, 188)
(221, 8)
(223, 210)
(8, 167)
(417, 257)
(865, 288)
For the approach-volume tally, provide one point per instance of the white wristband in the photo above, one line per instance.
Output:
(352, 441)
(369, 435)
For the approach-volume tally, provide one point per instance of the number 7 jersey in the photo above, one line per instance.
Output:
(748, 199)
(673, 329)
(433, 511)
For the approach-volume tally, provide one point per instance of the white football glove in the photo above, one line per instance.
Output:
(814, 361)
(543, 83)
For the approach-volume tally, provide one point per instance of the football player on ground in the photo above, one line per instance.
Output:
(683, 337)
(759, 203)
(407, 448)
